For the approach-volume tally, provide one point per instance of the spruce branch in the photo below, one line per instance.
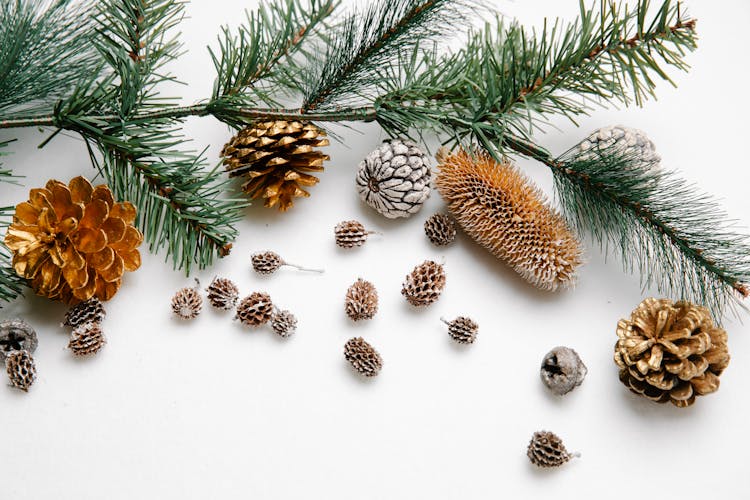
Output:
(11, 285)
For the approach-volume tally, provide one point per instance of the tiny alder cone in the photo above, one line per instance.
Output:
(277, 158)
(424, 284)
(463, 330)
(223, 294)
(562, 370)
(87, 340)
(187, 303)
(88, 311)
(547, 450)
(284, 323)
(440, 230)
(504, 212)
(350, 234)
(670, 351)
(74, 242)
(361, 300)
(16, 335)
(363, 357)
(255, 310)
(21, 369)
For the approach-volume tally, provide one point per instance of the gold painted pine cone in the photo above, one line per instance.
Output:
(276, 157)
(74, 242)
(670, 351)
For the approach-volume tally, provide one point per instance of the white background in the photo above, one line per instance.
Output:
(209, 409)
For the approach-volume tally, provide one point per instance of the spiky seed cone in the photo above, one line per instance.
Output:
(88, 311)
(187, 303)
(670, 351)
(21, 369)
(350, 234)
(424, 284)
(361, 300)
(562, 370)
(223, 294)
(363, 357)
(276, 157)
(269, 262)
(284, 323)
(440, 230)
(73, 242)
(462, 329)
(547, 450)
(16, 335)
(504, 212)
(255, 310)
(87, 340)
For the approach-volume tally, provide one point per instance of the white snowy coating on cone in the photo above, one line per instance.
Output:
(633, 142)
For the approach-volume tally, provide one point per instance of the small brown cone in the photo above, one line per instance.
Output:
(363, 357)
(440, 230)
(89, 311)
(350, 234)
(504, 212)
(21, 369)
(671, 351)
(284, 323)
(276, 157)
(462, 329)
(361, 300)
(223, 294)
(255, 310)
(269, 262)
(547, 450)
(87, 340)
(424, 284)
(187, 303)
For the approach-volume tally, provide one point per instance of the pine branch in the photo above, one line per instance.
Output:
(11, 285)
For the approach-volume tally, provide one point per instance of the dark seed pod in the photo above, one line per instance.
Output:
(88, 311)
(424, 284)
(440, 229)
(363, 357)
(16, 335)
(462, 329)
(255, 310)
(547, 450)
(562, 370)
(269, 262)
(284, 323)
(87, 340)
(223, 294)
(187, 303)
(21, 369)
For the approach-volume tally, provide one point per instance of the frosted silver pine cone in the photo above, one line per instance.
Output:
(462, 329)
(547, 450)
(632, 142)
(361, 300)
(284, 323)
(16, 335)
(223, 294)
(269, 262)
(87, 340)
(255, 310)
(440, 229)
(395, 179)
(562, 370)
(351, 233)
(424, 284)
(363, 357)
(187, 303)
(21, 369)
(88, 311)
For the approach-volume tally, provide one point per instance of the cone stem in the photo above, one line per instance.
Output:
(301, 268)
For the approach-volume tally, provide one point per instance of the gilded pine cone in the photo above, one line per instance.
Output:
(671, 351)
(74, 242)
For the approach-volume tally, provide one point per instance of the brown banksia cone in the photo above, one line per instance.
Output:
(255, 310)
(21, 369)
(440, 230)
(562, 370)
(74, 242)
(363, 357)
(16, 335)
(87, 340)
(88, 311)
(277, 158)
(462, 329)
(284, 323)
(671, 351)
(361, 300)
(547, 450)
(223, 294)
(187, 303)
(269, 262)
(424, 284)
(351, 233)
(504, 212)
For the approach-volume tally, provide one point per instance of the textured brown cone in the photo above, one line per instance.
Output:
(361, 300)
(504, 212)
(21, 369)
(363, 357)
(255, 310)
(546, 449)
(423, 286)
(87, 340)
(671, 351)
(276, 157)
(74, 242)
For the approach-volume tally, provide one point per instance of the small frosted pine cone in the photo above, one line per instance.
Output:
(88, 311)
(440, 230)
(284, 323)
(16, 335)
(424, 284)
(187, 303)
(506, 213)
(223, 294)
(351, 233)
(21, 369)
(547, 450)
(363, 357)
(255, 310)
(632, 143)
(361, 300)
(562, 370)
(269, 262)
(462, 329)
(671, 351)
(87, 340)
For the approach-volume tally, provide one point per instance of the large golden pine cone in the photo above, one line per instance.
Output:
(276, 157)
(74, 242)
(671, 351)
